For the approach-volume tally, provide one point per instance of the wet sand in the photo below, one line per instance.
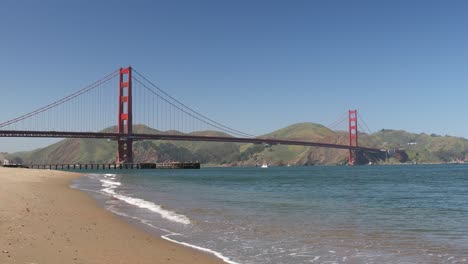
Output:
(43, 220)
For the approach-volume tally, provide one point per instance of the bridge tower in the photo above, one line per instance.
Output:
(125, 141)
(352, 136)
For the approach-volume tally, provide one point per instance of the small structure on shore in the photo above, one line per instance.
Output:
(7, 164)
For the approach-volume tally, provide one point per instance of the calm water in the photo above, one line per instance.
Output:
(367, 214)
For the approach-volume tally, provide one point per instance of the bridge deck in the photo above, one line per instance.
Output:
(136, 137)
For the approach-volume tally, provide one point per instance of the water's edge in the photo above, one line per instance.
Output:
(108, 193)
(368, 214)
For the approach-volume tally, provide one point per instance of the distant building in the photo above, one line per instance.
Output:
(6, 162)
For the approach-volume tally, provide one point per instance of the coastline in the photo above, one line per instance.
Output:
(43, 220)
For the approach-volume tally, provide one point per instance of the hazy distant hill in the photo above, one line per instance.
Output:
(412, 147)
(421, 147)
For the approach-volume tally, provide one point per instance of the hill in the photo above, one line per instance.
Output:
(281, 154)
(403, 147)
(421, 147)
(104, 151)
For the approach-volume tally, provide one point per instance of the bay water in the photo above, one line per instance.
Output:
(318, 214)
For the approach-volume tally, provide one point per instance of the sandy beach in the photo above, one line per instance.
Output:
(43, 220)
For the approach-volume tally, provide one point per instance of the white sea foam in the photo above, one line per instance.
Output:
(154, 208)
(109, 188)
(107, 183)
(217, 254)
(141, 220)
(315, 258)
(166, 237)
(110, 185)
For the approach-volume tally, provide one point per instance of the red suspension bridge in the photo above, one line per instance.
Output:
(136, 100)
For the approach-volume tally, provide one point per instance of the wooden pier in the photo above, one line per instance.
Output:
(14, 166)
(123, 166)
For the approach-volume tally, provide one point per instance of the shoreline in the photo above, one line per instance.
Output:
(44, 220)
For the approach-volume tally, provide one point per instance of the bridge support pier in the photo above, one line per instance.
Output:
(125, 151)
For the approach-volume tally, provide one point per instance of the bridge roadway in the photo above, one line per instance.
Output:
(136, 137)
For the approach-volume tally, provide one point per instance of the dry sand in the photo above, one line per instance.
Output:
(43, 221)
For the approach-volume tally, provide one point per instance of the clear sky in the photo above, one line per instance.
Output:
(256, 66)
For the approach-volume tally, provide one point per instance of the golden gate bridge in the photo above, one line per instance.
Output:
(127, 97)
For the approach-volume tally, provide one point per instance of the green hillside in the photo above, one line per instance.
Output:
(421, 147)
(309, 131)
(104, 151)
(281, 154)
(414, 147)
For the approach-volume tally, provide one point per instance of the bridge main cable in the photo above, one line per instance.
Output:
(193, 113)
(61, 101)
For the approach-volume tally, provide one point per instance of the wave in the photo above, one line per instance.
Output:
(110, 186)
(166, 237)
(216, 253)
(107, 183)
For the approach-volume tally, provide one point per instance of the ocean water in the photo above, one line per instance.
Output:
(362, 214)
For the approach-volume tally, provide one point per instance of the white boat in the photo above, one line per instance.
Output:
(264, 166)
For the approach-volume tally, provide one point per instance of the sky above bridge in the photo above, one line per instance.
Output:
(256, 66)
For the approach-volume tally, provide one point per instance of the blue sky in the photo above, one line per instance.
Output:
(256, 66)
